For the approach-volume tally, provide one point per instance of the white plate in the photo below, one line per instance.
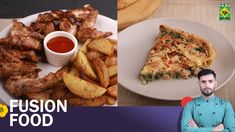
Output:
(136, 41)
(102, 24)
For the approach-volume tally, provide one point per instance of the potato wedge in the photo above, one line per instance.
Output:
(113, 80)
(99, 101)
(102, 72)
(102, 45)
(82, 64)
(82, 88)
(114, 42)
(93, 54)
(84, 46)
(84, 77)
(74, 72)
(111, 61)
(110, 100)
(113, 90)
(38, 96)
(112, 70)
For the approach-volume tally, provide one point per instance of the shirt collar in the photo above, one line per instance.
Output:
(212, 99)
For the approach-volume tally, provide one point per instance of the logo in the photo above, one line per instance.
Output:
(224, 12)
(3, 110)
(32, 112)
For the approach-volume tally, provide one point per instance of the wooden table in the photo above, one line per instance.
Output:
(202, 11)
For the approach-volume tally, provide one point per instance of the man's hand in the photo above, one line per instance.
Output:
(218, 128)
(192, 123)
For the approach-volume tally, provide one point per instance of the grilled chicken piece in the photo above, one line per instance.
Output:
(10, 65)
(13, 68)
(82, 13)
(58, 14)
(49, 27)
(20, 85)
(21, 42)
(37, 26)
(92, 33)
(24, 54)
(51, 16)
(79, 22)
(87, 14)
(78, 14)
(42, 28)
(66, 25)
(46, 17)
(19, 29)
(89, 22)
(59, 91)
(7, 57)
(38, 96)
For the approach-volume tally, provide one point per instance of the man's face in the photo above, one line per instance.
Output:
(207, 84)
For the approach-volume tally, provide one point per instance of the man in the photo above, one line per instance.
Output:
(208, 113)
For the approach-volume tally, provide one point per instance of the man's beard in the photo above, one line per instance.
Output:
(205, 93)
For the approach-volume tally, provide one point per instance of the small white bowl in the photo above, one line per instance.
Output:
(59, 59)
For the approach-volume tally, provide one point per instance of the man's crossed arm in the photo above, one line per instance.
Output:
(193, 124)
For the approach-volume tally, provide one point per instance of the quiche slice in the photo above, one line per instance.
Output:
(177, 55)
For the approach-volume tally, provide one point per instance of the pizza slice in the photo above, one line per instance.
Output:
(177, 55)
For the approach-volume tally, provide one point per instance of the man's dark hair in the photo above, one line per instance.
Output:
(204, 72)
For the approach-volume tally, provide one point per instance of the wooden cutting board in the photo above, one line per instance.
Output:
(136, 12)
(124, 3)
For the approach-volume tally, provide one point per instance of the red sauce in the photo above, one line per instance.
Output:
(60, 44)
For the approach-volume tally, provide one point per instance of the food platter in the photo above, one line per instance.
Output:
(102, 24)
